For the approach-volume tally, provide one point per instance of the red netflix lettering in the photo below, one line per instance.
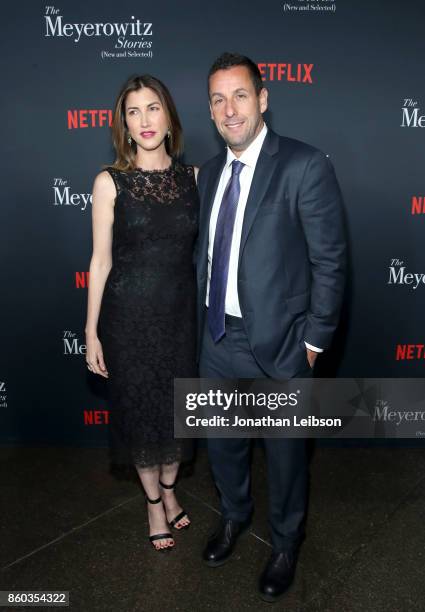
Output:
(294, 73)
(96, 417)
(82, 280)
(418, 205)
(410, 351)
(89, 118)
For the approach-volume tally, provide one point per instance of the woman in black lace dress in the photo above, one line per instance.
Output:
(140, 330)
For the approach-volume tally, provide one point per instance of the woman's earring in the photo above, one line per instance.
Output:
(129, 140)
(169, 133)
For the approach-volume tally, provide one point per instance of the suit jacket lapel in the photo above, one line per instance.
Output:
(209, 192)
(264, 169)
(212, 184)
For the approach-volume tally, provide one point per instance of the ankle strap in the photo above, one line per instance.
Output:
(167, 486)
(153, 501)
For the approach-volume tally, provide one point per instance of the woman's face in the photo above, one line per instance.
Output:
(146, 119)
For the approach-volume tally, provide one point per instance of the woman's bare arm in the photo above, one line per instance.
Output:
(104, 194)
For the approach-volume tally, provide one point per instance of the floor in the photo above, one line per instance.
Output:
(68, 524)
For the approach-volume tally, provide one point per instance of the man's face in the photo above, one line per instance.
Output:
(235, 107)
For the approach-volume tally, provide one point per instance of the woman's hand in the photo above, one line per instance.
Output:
(94, 356)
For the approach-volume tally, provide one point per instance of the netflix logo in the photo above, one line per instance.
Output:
(89, 118)
(418, 205)
(292, 73)
(409, 352)
(82, 280)
(96, 417)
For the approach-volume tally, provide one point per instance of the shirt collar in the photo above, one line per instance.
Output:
(250, 156)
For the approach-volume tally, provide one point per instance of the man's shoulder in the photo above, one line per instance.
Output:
(212, 162)
(293, 145)
(299, 155)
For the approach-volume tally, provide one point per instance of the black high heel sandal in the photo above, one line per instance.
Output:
(180, 515)
(159, 536)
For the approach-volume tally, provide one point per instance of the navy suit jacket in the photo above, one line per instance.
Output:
(291, 268)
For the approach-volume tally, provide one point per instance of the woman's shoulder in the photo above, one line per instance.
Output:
(188, 169)
(112, 171)
(104, 177)
(107, 180)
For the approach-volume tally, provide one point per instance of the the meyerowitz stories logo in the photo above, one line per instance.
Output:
(132, 38)
(64, 196)
(410, 114)
(71, 344)
(292, 73)
(306, 6)
(400, 275)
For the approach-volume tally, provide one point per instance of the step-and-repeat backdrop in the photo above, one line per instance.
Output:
(343, 75)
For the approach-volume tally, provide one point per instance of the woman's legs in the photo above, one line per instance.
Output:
(168, 476)
(156, 515)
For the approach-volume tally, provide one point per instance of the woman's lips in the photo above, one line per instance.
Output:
(147, 134)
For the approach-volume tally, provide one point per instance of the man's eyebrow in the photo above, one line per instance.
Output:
(216, 93)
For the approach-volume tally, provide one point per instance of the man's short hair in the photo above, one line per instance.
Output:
(229, 60)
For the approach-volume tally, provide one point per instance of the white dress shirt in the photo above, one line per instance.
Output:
(249, 158)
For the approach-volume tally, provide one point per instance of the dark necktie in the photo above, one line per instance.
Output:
(221, 253)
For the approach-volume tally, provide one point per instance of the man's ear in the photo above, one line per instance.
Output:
(211, 113)
(264, 95)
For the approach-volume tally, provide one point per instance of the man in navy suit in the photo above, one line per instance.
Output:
(270, 268)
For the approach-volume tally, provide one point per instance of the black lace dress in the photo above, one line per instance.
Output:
(147, 317)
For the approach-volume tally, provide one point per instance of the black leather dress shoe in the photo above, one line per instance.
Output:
(221, 544)
(277, 575)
